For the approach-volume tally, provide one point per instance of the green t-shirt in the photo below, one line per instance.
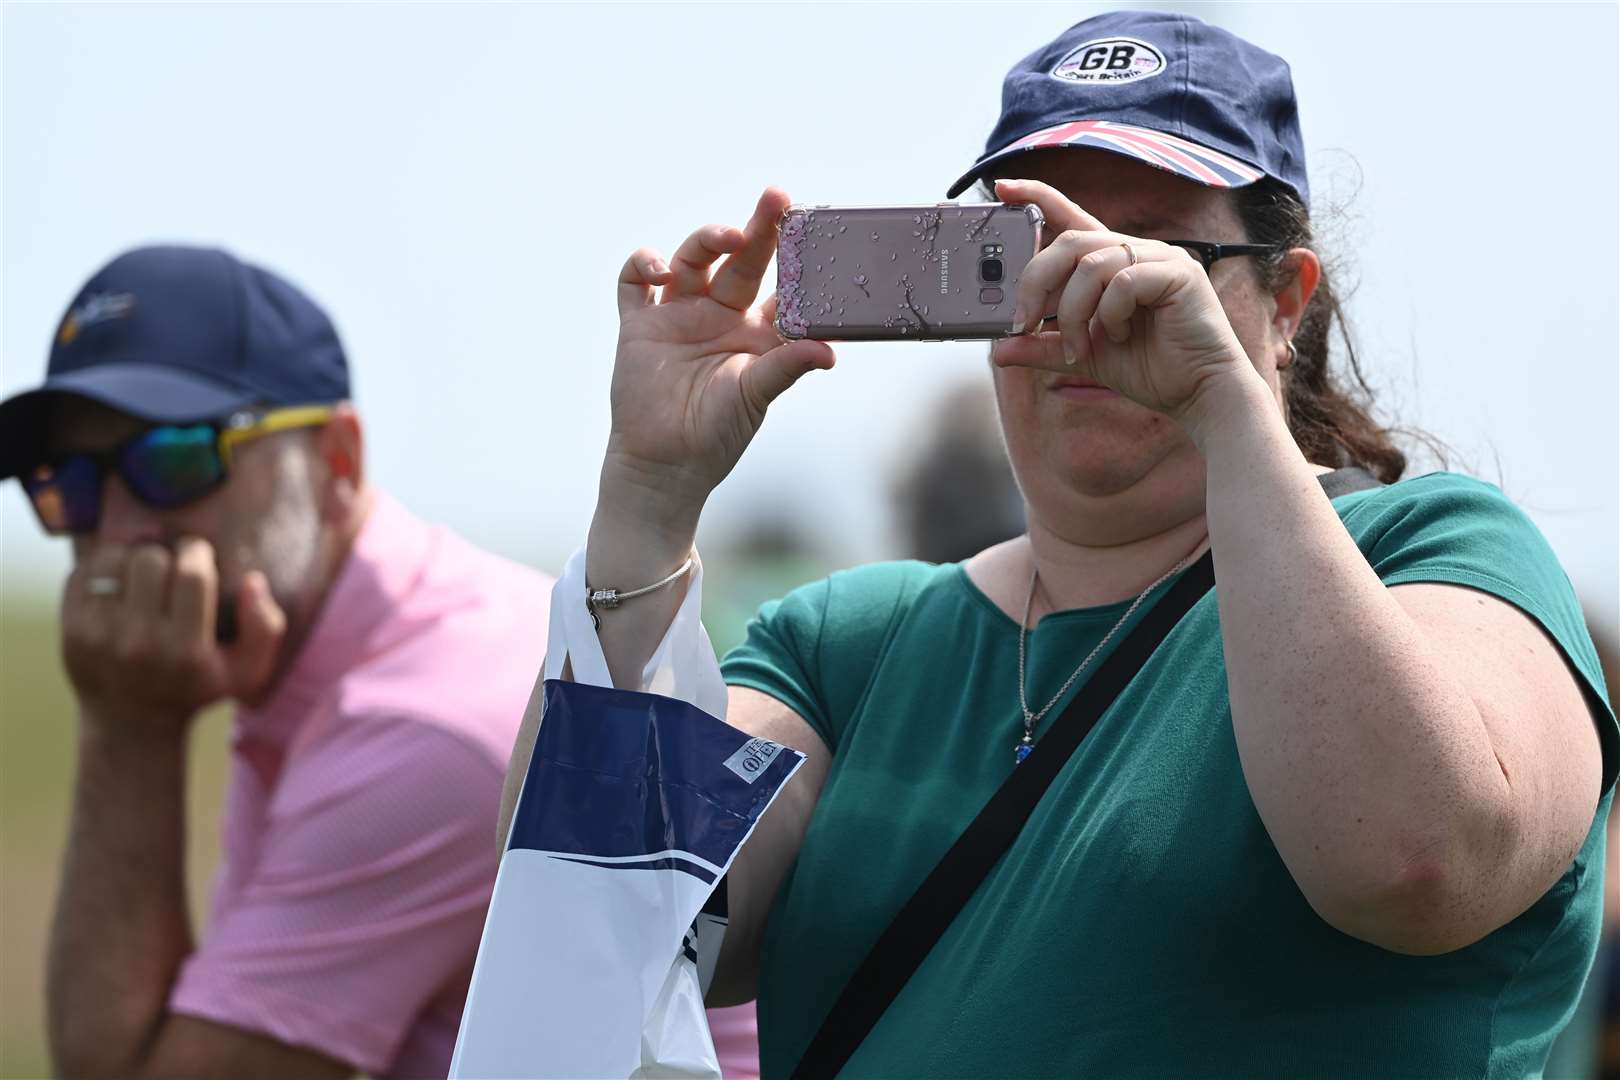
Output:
(1143, 923)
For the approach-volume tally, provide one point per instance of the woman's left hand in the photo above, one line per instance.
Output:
(1153, 329)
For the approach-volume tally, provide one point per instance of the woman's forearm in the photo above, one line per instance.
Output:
(641, 532)
(1370, 765)
(638, 535)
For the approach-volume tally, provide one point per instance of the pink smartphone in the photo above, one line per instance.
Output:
(887, 273)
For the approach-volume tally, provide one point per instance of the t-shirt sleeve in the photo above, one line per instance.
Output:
(1455, 530)
(367, 895)
(815, 649)
(781, 655)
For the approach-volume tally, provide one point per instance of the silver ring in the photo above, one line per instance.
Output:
(1131, 252)
(103, 586)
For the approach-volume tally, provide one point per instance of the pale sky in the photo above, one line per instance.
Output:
(458, 185)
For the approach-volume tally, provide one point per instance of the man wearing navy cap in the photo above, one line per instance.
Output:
(194, 439)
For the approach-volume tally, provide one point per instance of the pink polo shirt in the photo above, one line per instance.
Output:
(359, 827)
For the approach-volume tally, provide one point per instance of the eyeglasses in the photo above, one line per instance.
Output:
(1207, 253)
(165, 467)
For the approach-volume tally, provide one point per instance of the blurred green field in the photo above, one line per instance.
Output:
(36, 775)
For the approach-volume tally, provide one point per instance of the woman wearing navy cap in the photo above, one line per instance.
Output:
(1347, 818)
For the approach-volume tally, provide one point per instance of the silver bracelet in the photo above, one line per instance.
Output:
(611, 598)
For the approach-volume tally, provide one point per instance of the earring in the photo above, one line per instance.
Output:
(1293, 353)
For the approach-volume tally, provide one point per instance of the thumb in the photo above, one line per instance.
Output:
(767, 377)
(261, 626)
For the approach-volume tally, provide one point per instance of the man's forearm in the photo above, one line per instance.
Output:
(121, 928)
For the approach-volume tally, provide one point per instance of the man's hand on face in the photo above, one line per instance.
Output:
(138, 637)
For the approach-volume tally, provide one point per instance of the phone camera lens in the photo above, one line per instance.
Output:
(990, 270)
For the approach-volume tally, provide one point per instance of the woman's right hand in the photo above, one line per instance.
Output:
(697, 364)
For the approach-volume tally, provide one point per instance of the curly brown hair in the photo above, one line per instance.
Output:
(1330, 409)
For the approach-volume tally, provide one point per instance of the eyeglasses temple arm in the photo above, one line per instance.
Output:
(271, 422)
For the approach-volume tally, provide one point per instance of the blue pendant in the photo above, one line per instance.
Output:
(1021, 751)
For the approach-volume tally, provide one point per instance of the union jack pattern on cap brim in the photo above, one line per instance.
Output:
(1208, 167)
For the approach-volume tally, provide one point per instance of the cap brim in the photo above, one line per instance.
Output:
(1185, 158)
(161, 395)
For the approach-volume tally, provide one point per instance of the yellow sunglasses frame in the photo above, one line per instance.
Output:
(230, 433)
(244, 426)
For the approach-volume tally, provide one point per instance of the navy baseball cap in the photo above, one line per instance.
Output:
(1168, 90)
(180, 335)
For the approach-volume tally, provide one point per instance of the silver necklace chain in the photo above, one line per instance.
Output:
(1031, 719)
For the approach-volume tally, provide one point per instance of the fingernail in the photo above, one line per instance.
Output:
(659, 266)
(1018, 320)
(1068, 354)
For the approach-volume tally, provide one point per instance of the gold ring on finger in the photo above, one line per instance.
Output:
(103, 586)
(1131, 252)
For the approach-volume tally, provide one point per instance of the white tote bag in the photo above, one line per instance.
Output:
(598, 946)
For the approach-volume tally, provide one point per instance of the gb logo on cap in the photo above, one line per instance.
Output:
(1110, 60)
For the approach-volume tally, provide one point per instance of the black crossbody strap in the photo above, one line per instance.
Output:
(1344, 481)
(923, 920)
(918, 925)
